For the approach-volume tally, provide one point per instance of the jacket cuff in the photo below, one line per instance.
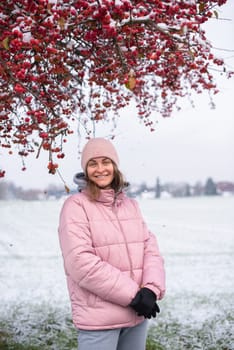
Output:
(154, 289)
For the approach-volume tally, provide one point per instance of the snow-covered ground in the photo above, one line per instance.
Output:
(196, 237)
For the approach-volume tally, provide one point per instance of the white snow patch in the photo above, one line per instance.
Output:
(195, 235)
(27, 37)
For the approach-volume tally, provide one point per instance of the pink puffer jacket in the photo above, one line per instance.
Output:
(108, 255)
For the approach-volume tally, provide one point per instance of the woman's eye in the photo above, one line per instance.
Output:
(92, 165)
(107, 162)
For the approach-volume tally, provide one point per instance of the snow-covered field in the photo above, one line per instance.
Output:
(196, 237)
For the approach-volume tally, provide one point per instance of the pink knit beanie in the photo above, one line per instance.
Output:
(98, 147)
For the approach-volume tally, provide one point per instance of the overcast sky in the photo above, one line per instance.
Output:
(192, 145)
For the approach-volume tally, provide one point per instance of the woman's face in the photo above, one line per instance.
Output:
(100, 170)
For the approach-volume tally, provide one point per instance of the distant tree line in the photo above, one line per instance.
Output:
(9, 190)
(184, 189)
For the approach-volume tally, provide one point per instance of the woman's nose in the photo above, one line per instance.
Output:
(100, 167)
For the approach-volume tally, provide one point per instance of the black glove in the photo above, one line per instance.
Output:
(144, 303)
(155, 310)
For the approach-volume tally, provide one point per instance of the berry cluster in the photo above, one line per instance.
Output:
(75, 59)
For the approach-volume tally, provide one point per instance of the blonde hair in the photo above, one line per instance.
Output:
(117, 184)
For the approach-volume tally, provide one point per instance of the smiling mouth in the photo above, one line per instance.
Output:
(101, 176)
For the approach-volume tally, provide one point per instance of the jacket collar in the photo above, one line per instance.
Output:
(109, 197)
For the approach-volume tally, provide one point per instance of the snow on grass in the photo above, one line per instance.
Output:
(196, 237)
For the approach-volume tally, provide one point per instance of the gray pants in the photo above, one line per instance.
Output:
(114, 339)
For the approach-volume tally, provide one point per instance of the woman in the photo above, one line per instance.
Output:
(115, 273)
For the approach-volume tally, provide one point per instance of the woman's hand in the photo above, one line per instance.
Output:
(144, 303)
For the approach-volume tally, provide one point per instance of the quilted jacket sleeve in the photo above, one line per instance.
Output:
(153, 268)
(83, 265)
(153, 272)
